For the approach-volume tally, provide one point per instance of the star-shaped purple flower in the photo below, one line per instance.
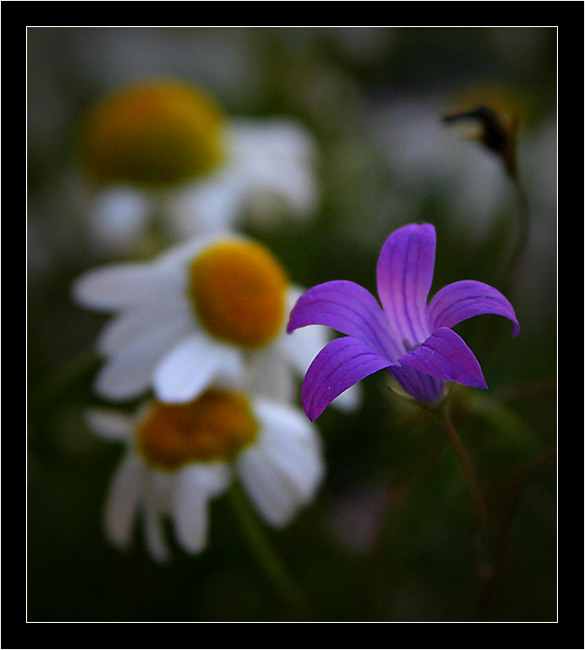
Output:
(410, 338)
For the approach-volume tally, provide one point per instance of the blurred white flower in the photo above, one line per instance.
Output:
(163, 154)
(269, 170)
(180, 457)
(212, 309)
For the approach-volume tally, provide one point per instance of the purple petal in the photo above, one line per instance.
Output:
(340, 364)
(461, 300)
(405, 274)
(348, 308)
(421, 386)
(445, 355)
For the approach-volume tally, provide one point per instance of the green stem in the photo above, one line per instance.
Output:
(504, 527)
(263, 550)
(523, 230)
(465, 463)
(395, 498)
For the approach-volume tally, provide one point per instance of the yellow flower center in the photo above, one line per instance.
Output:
(215, 426)
(157, 133)
(238, 289)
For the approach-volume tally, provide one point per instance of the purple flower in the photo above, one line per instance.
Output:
(411, 338)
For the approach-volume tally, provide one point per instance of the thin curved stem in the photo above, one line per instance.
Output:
(504, 527)
(481, 512)
(523, 221)
(394, 498)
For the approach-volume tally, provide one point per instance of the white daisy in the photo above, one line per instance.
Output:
(269, 170)
(164, 150)
(181, 456)
(213, 309)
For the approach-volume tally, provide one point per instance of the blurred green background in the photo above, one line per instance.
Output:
(390, 536)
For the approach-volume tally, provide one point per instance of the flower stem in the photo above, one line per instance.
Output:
(264, 551)
(523, 230)
(503, 536)
(465, 463)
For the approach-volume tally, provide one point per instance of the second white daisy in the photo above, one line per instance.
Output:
(211, 310)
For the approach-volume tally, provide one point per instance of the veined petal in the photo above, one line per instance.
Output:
(405, 274)
(461, 300)
(445, 355)
(348, 308)
(190, 367)
(339, 365)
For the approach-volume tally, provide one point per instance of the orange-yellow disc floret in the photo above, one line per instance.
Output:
(215, 426)
(238, 290)
(153, 134)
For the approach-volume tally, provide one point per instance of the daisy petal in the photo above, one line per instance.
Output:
(350, 400)
(190, 367)
(302, 345)
(445, 355)
(123, 499)
(169, 313)
(405, 274)
(292, 445)
(274, 161)
(117, 218)
(461, 300)
(128, 372)
(195, 485)
(270, 491)
(268, 375)
(122, 285)
(278, 416)
(301, 465)
(155, 535)
(340, 364)
(348, 308)
(212, 205)
(110, 424)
